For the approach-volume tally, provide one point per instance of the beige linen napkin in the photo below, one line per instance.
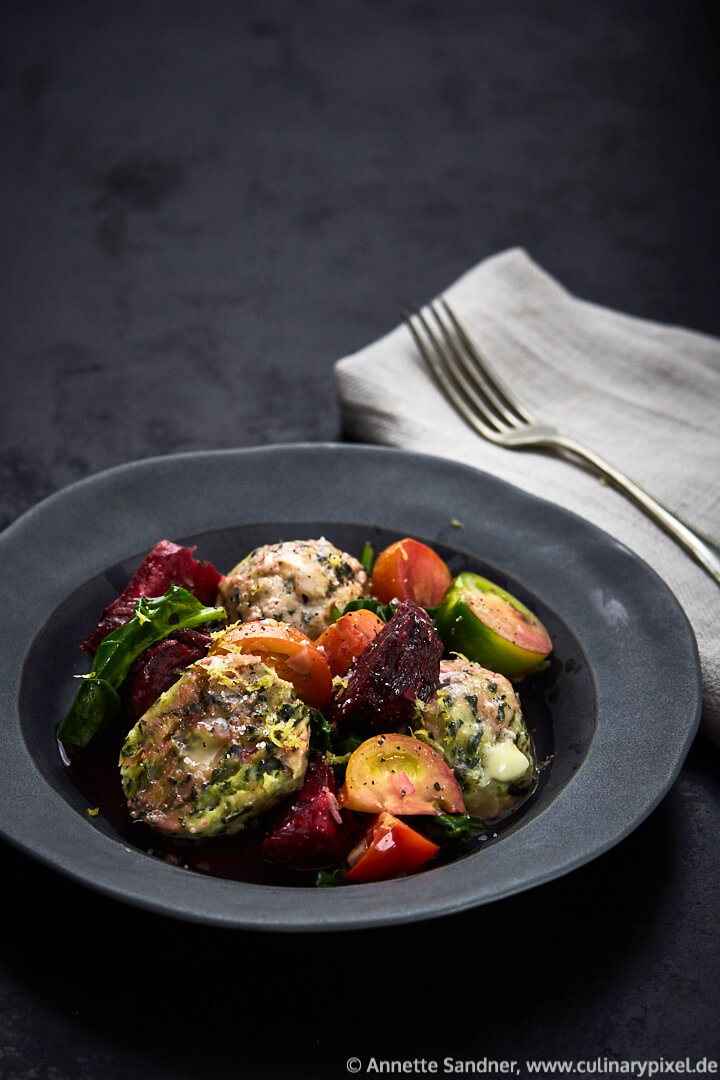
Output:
(643, 395)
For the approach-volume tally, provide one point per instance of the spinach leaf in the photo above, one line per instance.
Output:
(328, 878)
(368, 603)
(320, 733)
(368, 557)
(155, 618)
(448, 828)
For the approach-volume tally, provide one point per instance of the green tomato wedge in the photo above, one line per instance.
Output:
(487, 624)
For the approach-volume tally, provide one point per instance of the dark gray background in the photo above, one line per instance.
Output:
(203, 205)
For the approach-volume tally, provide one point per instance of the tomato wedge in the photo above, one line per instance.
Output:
(293, 655)
(485, 623)
(402, 775)
(410, 570)
(345, 639)
(389, 848)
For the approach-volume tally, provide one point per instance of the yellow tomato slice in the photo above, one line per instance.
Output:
(401, 775)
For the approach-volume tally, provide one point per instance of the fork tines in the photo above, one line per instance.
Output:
(490, 409)
(462, 373)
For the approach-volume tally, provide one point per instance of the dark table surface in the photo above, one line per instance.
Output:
(205, 205)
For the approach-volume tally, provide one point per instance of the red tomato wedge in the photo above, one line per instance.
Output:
(345, 639)
(402, 775)
(389, 848)
(410, 570)
(293, 655)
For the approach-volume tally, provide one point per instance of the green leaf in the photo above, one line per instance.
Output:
(154, 619)
(343, 745)
(320, 732)
(326, 879)
(368, 603)
(367, 557)
(95, 703)
(448, 828)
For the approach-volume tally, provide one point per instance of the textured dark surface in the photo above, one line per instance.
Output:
(203, 206)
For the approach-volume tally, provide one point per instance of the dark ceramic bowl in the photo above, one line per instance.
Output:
(623, 650)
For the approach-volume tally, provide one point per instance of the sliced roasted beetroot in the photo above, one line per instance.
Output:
(194, 639)
(160, 666)
(399, 666)
(312, 833)
(167, 564)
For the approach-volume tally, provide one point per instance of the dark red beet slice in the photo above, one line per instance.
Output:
(195, 639)
(401, 665)
(167, 564)
(158, 668)
(312, 832)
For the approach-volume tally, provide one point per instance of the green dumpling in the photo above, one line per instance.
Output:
(475, 721)
(226, 742)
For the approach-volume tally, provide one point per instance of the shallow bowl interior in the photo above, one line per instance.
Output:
(618, 707)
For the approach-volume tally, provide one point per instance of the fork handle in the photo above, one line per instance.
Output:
(707, 556)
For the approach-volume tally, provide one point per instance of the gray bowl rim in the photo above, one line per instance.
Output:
(636, 636)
